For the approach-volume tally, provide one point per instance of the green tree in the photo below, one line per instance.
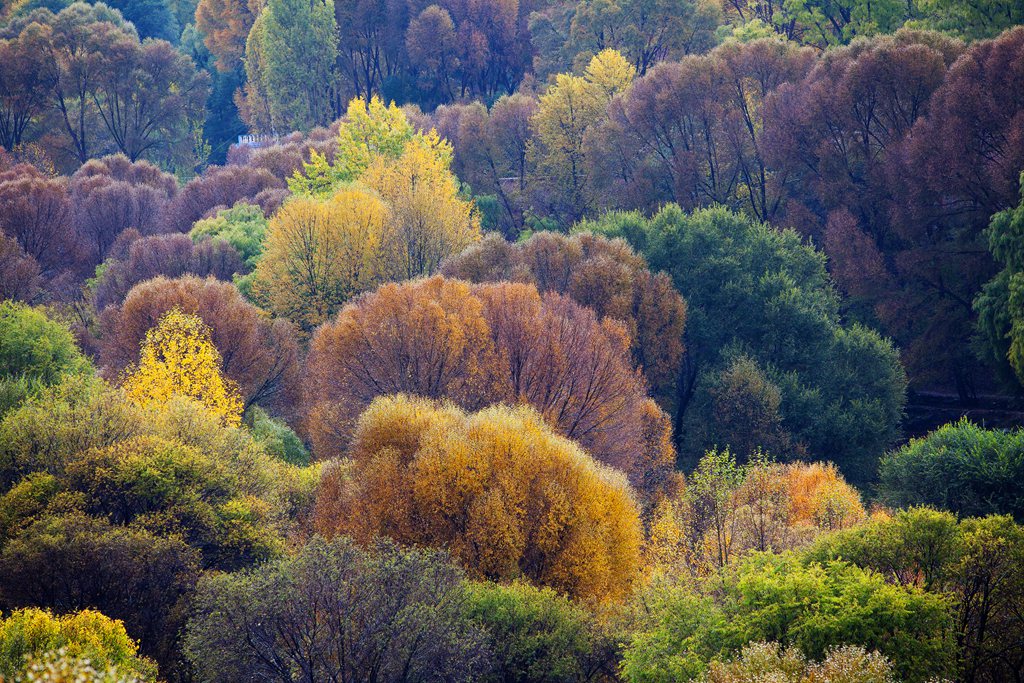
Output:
(960, 467)
(337, 612)
(35, 352)
(764, 293)
(243, 227)
(812, 607)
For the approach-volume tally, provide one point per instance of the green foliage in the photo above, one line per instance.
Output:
(277, 438)
(243, 227)
(813, 607)
(762, 292)
(971, 19)
(769, 662)
(35, 352)
(1000, 304)
(978, 564)
(960, 467)
(28, 634)
(536, 635)
(393, 614)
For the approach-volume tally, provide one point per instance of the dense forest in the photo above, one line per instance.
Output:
(513, 341)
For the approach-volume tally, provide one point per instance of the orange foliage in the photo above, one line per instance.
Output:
(498, 489)
(485, 344)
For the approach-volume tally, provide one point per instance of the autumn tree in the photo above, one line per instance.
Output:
(259, 355)
(20, 276)
(225, 25)
(170, 256)
(498, 489)
(25, 84)
(319, 254)
(178, 358)
(445, 339)
(603, 275)
(560, 181)
(219, 186)
(36, 213)
(243, 227)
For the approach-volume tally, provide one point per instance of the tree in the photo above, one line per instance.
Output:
(536, 634)
(558, 158)
(151, 18)
(35, 352)
(260, 356)
(20, 277)
(959, 467)
(243, 226)
(178, 358)
(765, 293)
(644, 31)
(828, 606)
(974, 563)
(603, 275)
(335, 612)
(25, 84)
(290, 58)
(148, 96)
(971, 21)
(443, 339)
(498, 489)
(429, 220)
(170, 256)
(219, 186)
(113, 194)
(1000, 327)
(31, 633)
(319, 254)
(225, 25)
(35, 212)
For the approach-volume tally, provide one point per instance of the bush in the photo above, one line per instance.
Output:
(30, 634)
(960, 467)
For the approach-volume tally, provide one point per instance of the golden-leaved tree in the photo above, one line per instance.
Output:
(178, 358)
(319, 254)
(499, 489)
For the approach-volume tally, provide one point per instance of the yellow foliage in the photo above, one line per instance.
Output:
(178, 358)
(318, 254)
(497, 488)
(820, 497)
(428, 219)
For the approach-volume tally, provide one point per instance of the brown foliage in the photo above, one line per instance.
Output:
(219, 186)
(19, 272)
(603, 275)
(167, 255)
(261, 355)
(35, 212)
(478, 345)
(498, 489)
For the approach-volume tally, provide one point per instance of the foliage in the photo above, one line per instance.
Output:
(243, 227)
(485, 344)
(498, 489)
(35, 352)
(28, 634)
(178, 358)
(768, 661)
(813, 607)
(260, 354)
(277, 438)
(392, 613)
(536, 634)
(727, 511)
(960, 467)
(976, 562)
(319, 254)
(601, 274)
(765, 292)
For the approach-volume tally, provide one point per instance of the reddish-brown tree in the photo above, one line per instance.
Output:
(261, 355)
(219, 186)
(36, 213)
(484, 344)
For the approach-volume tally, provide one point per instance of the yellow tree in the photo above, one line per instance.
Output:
(428, 219)
(178, 358)
(498, 489)
(571, 107)
(318, 254)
